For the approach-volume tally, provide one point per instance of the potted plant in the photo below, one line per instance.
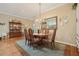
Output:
(74, 6)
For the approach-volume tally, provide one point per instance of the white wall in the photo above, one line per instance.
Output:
(6, 18)
(77, 19)
(67, 31)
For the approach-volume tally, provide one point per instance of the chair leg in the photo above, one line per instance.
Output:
(25, 42)
(29, 44)
(54, 44)
(51, 45)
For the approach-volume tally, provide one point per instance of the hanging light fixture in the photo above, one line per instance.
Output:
(39, 11)
(39, 16)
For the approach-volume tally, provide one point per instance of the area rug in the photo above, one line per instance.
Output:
(39, 52)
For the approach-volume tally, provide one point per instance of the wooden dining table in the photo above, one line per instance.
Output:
(41, 36)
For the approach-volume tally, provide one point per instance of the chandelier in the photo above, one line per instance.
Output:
(39, 4)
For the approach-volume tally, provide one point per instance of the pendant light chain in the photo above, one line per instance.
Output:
(40, 10)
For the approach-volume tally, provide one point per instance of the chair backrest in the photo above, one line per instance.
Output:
(45, 31)
(25, 33)
(51, 36)
(54, 34)
(30, 33)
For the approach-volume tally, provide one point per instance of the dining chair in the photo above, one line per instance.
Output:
(50, 41)
(46, 31)
(33, 41)
(27, 38)
(25, 35)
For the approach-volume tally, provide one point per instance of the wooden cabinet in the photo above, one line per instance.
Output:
(15, 29)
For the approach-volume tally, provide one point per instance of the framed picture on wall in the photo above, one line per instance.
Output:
(49, 23)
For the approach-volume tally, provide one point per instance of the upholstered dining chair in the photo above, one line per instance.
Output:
(25, 35)
(27, 38)
(33, 41)
(51, 38)
(45, 31)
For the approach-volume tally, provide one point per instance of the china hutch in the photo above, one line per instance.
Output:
(15, 29)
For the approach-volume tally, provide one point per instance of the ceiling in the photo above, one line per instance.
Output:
(26, 10)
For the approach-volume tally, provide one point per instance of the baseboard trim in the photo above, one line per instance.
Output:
(66, 43)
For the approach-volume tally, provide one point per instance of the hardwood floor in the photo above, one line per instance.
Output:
(8, 47)
(71, 51)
